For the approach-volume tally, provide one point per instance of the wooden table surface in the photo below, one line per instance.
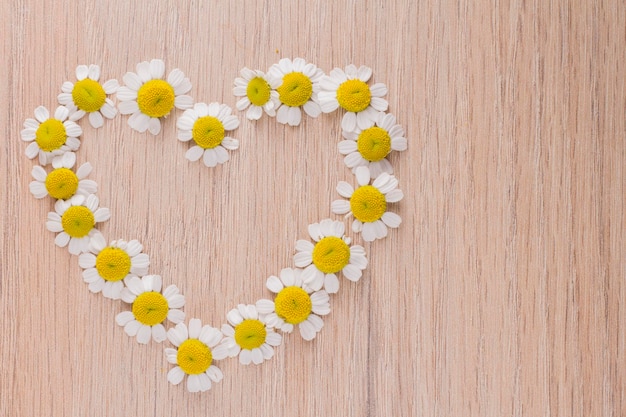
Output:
(501, 294)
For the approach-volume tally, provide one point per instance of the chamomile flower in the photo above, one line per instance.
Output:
(206, 124)
(298, 89)
(248, 336)
(150, 308)
(370, 146)
(75, 221)
(330, 255)
(106, 267)
(368, 203)
(147, 97)
(349, 90)
(87, 95)
(50, 136)
(258, 92)
(197, 346)
(62, 183)
(294, 304)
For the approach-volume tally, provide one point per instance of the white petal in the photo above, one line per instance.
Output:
(143, 71)
(254, 112)
(157, 68)
(307, 331)
(352, 272)
(111, 86)
(274, 284)
(302, 259)
(362, 175)
(42, 114)
(32, 150)
(394, 196)
(391, 219)
(379, 104)
(62, 239)
(154, 125)
(215, 373)
(304, 246)
(82, 72)
(61, 113)
(378, 90)
(380, 229)
(95, 119)
(294, 116)
(94, 72)
(364, 73)
(348, 123)
(158, 333)
(195, 326)
(340, 206)
(264, 306)
(124, 318)
(367, 232)
(312, 109)
(139, 121)
(133, 82)
(38, 190)
(128, 107)
(183, 102)
(194, 153)
(230, 143)
(331, 283)
(175, 375)
(209, 158)
(193, 383)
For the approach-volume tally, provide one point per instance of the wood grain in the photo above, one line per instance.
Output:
(501, 294)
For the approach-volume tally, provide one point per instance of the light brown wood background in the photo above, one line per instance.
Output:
(503, 292)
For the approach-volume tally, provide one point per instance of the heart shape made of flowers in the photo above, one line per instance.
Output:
(119, 269)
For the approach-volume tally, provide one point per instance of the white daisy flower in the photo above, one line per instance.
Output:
(370, 146)
(106, 267)
(75, 221)
(248, 336)
(206, 124)
(87, 95)
(330, 255)
(48, 136)
(147, 97)
(197, 347)
(258, 92)
(62, 183)
(294, 304)
(349, 90)
(298, 88)
(368, 203)
(150, 308)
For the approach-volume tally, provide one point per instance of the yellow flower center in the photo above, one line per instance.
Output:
(293, 305)
(295, 90)
(150, 308)
(155, 98)
(250, 334)
(331, 254)
(77, 221)
(368, 204)
(258, 91)
(354, 95)
(88, 95)
(113, 264)
(194, 357)
(374, 143)
(208, 132)
(50, 135)
(61, 183)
